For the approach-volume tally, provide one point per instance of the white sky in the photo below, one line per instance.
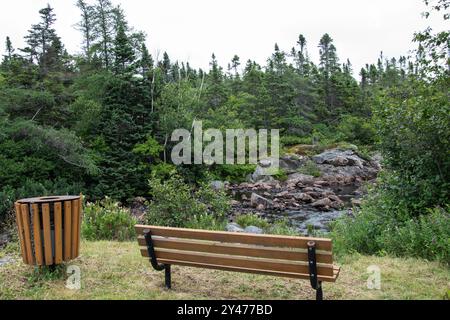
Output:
(192, 30)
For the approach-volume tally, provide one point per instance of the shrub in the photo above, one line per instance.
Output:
(356, 130)
(232, 173)
(380, 228)
(174, 203)
(280, 175)
(252, 220)
(206, 221)
(282, 227)
(310, 168)
(106, 220)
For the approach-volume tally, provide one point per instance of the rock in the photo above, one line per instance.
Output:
(234, 227)
(217, 185)
(323, 203)
(316, 195)
(260, 175)
(260, 207)
(253, 229)
(303, 197)
(300, 178)
(322, 183)
(138, 208)
(235, 203)
(334, 198)
(265, 163)
(356, 202)
(282, 194)
(257, 200)
(337, 205)
(339, 158)
(6, 260)
(291, 163)
(339, 161)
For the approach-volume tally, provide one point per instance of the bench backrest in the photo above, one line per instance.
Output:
(253, 253)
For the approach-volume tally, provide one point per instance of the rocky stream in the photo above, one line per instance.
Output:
(306, 201)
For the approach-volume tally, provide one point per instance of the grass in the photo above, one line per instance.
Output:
(113, 270)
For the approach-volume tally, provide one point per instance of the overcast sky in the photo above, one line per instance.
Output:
(192, 30)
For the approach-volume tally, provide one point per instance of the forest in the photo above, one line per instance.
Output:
(99, 123)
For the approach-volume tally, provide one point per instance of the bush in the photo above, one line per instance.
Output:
(176, 204)
(206, 221)
(310, 168)
(106, 220)
(252, 220)
(356, 130)
(379, 228)
(279, 227)
(232, 173)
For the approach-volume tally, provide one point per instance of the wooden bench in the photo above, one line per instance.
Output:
(282, 256)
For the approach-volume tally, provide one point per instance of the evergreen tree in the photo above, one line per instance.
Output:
(40, 39)
(86, 26)
(104, 27)
(123, 51)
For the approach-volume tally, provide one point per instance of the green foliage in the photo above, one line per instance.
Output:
(279, 227)
(174, 203)
(205, 221)
(232, 173)
(280, 175)
(356, 130)
(106, 220)
(252, 220)
(412, 123)
(373, 231)
(310, 168)
(282, 227)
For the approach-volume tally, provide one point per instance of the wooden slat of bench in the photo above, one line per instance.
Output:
(239, 262)
(249, 270)
(236, 249)
(244, 238)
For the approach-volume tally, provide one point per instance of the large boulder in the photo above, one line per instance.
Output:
(259, 202)
(339, 158)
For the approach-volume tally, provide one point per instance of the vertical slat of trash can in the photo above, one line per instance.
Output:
(20, 230)
(67, 230)
(58, 233)
(80, 212)
(75, 221)
(27, 232)
(47, 234)
(37, 235)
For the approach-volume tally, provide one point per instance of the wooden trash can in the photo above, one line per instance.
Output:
(49, 229)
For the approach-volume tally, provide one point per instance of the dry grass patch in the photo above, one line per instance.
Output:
(113, 270)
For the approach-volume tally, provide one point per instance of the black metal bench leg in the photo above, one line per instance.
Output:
(313, 277)
(319, 292)
(168, 276)
(154, 260)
